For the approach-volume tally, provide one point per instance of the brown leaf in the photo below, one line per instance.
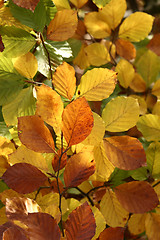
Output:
(154, 44)
(24, 178)
(13, 233)
(34, 134)
(112, 234)
(77, 121)
(81, 30)
(125, 152)
(4, 227)
(58, 159)
(1, 45)
(137, 196)
(125, 49)
(63, 25)
(79, 168)
(42, 226)
(81, 223)
(28, 4)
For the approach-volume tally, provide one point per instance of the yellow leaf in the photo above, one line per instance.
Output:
(79, 3)
(54, 211)
(156, 88)
(142, 104)
(6, 147)
(97, 54)
(136, 223)
(82, 59)
(3, 164)
(25, 155)
(113, 12)
(120, 114)
(114, 214)
(96, 26)
(63, 25)
(61, 4)
(153, 155)
(152, 226)
(97, 84)
(156, 108)
(136, 27)
(149, 126)
(3, 218)
(125, 73)
(100, 221)
(26, 65)
(72, 204)
(49, 107)
(64, 80)
(138, 84)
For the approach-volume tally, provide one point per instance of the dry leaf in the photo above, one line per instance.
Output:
(125, 49)
(112, 233)
(28, 4)
(154, 44)
(59, 161)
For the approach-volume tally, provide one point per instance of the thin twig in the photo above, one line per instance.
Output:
(110, 54)
(86, 195)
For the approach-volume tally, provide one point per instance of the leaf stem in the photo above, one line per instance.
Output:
(86, 195)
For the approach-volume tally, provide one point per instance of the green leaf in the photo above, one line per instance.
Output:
(75, 45)
(139, 174)
(118, 177)
(101, 3)
(4, 131)
(39, 17)
(61, 48)
(16, 41)
(22, 105)
(50, 10)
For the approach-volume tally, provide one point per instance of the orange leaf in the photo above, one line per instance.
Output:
(57, 158)
(63, 25)
(28, 4)
(49, 107)
(34, 134)
(82, 166)
(154, 44)
(137, 196)
(77, 121)
(125, 49)
(81, 223)
(125, 152)
(13, 233)
(64, 80)
(112, 233)
(81, 30)
(42, 226)
(24, 178)
(138, 84)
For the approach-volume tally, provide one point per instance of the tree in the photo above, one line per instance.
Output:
(80, 121)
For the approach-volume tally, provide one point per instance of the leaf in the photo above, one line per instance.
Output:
(136, 223)
(22, 105)
(64, 80)
(149, 126)
(82, 166)
(79, 3)
(100, 221)
(82, 60)
(49, 107)
(6, 147)
(101, 3)
(113, 13)
(81, 223)
(34, 134)
(63, 26)
(26, 65)
(136, 27)
(112, 233)
(148, 67)
(24, 178)
(125, 152)
(97, 84)
(14, 233)
(40, 16)
(59, 161)
(62, 4)
(77, 120)
(125, 49)
(142, 104)
(120, 114)
(152, 154)
(28, 4)
(1, 45)
(25, 155)
(125, 77)
(41, 225)
(16, 41)
(115, 215)
(156, 88)
(152, 224)
(137, 196)
(154, 43)
(62, 48)
(138, 84)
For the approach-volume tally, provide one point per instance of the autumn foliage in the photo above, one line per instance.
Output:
(79, 121)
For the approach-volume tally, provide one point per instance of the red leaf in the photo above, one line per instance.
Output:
(24, 178)
(56, 159)
(112, 234)
(81, 223)
(13, 233)
(1, 45)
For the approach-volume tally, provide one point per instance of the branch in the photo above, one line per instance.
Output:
(86, 195)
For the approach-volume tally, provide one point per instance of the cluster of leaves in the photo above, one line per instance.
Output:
(79, 155)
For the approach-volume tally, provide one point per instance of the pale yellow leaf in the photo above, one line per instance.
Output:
(125, 73)
(136, 223)
(142, 104)
(114, 214)
(156, 88)
(138, 84)
(136, 27)
(152, 226)
(6, 147)
(153, 155)
(54, 211)
(61, 4)
(79, 3)
(120, 114)
(100, 221)
(97, 84)
(26, 65)
(113, 12)
(82, 59)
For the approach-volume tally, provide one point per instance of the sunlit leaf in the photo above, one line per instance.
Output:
(77, 121)
(125, 49)
(26, 65)
(49, 107)
(101, 3)
(79, 3)
(59, 161)
(138, 84)
(120, 114)
(100, 222)
(62, 4)
(97, 84)
(136, 27)
(82, 60)
(136, 223)
(115, 215)
(152, 225)
(81, 223)
(28, 4)
(149, 126)
(64, 80)
(125, 152)
(137, 196)
(154, 43)
(125, 73)
(63, 26)
(82, 165)
(34, 134)
(112, 233)
(24, 178)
